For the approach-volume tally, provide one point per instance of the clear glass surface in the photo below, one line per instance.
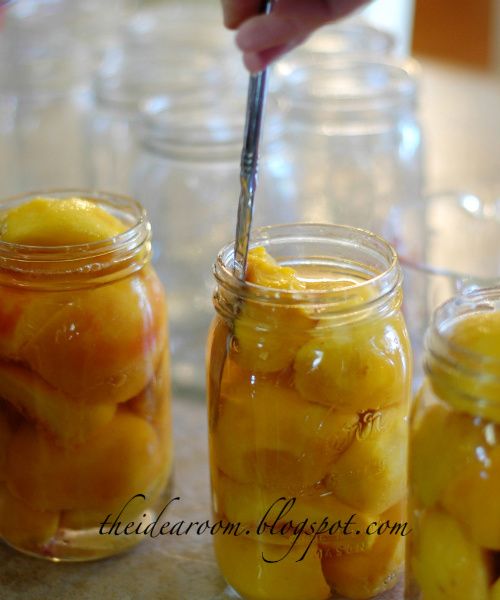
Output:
(354, 139)
(186, 175)
(454, 467)
(308, 388)
(85, 422)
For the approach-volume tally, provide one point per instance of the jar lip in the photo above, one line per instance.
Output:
(379, 40)
(133, 234)
(314, 83)
(124, 79)
(387, 279)
(453, 311)
(204, 128)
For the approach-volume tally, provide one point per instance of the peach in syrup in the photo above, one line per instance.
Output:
(103, 346)
(70, 421)
(446, 563)
(240, 559)
(323, 423)
(363, 575)
(267, 337)
(268, 435)
(122, 459)
(23, 526)
(84, 371)
(371, 473)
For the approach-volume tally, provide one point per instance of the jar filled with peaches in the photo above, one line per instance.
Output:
(85, 432)
(454, 552)
(308, 379)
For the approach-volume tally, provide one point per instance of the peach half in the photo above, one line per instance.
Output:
(22, 526)
(104, 344)
(267, 335)
(268, 435)
(355, 366)
(364, 575)
(242, 564)
(70, 421)
(446, 563)
(123, 458)
(372, 473)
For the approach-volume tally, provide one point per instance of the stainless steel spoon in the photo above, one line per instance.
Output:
(257, 88)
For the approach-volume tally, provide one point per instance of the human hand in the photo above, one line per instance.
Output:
(263, 38)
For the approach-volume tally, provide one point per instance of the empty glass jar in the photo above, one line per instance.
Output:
(187, 176)
(354, 139)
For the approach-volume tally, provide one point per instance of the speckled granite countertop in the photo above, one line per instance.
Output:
(183, 568)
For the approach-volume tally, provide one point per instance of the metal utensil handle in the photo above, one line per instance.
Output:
(249, 162)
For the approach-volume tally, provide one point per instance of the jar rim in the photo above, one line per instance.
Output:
(340, 85)
(453, 311)
(387, 280)
(62, 263)
(125, 79)
(205, 128)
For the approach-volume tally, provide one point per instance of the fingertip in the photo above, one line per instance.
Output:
(254, 62)
(241, 39)
(230, 23)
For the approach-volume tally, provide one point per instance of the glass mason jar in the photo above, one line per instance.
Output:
(84, 383)
(354, 139)
(44, 71)
(308, 396)
(455, 455)
(186, 176)
(126, 78)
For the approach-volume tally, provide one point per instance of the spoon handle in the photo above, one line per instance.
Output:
(257, 88)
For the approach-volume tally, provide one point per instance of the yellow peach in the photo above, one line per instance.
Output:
(266, 336)
(243, 566)
(495, 590)
(249, 505)
(479, 335)
(446, 564)
(24, 527)
(366, 574)
(106, 343)
(124, 512)
(442, 444)
(472, 497)
(122, 460)
(267, 435)
(70, 421)
(23, 314)
(358, 367)
(153, 402)
(51, 222)
(264, 270)
(371, 474)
